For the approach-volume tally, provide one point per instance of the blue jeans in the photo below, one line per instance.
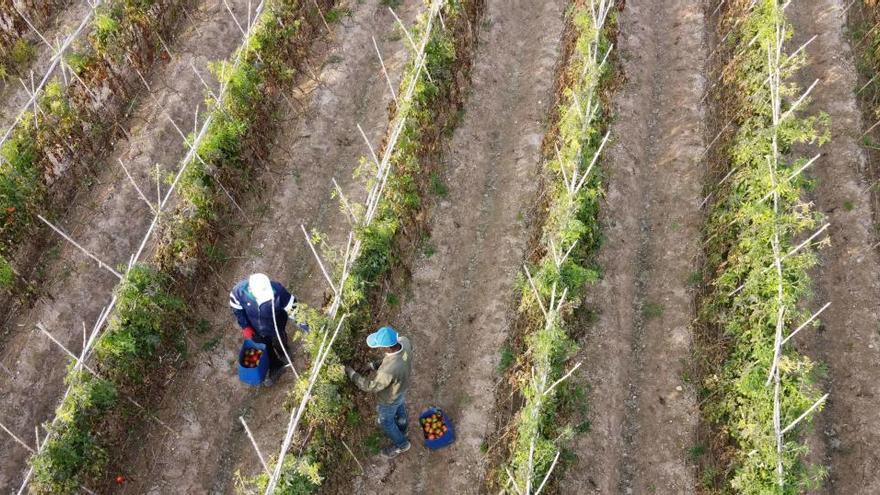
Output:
(392, 418)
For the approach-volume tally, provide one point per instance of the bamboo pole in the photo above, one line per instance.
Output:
(82, 249)
(254, 443)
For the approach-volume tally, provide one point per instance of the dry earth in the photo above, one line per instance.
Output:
(109, 219)
(459, 310)
(643, 410)
(846, 435)
(318, 142)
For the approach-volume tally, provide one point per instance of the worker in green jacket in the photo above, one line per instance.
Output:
(390, 383)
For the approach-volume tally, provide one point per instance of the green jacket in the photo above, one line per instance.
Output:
(392, 379)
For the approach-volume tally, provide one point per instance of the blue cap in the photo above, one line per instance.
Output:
(383, 337)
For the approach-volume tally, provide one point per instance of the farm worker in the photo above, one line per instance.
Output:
(262, 307)
(390, 383)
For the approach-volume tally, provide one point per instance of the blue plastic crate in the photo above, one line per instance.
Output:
(447, 438)
(253, 376)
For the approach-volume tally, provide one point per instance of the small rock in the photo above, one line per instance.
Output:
(678, 388)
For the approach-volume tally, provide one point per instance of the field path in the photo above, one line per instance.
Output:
(643, 412)
(458, 311)
(318, 141)
(846, 435)
(109, 219)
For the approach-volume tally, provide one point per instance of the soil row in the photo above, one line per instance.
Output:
(640, 402)
(320, 143)
(53, 144)
(109, 219)
(847, 342)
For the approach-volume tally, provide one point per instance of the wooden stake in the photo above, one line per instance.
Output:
(384, 71)
(82, 249)
(256, 448)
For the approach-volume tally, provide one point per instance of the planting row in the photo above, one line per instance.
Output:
(866, 44)
(758, 391)
(428, 98)
(553, 285)
(71, 123)
(146, 328)
(17, 49)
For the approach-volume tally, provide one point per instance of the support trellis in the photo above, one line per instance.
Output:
(524, 479)
(162, 201)
(56, 60)
(353, 247)
(774, 81)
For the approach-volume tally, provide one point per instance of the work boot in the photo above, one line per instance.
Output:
(269, 380)
(394, 451)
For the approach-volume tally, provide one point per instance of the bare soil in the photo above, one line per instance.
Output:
(846, 436)
(458, 311)
(109, 219)
(642, 405)
(319, 141)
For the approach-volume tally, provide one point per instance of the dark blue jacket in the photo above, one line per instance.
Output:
(248, 314)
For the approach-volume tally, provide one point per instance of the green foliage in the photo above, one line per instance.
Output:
(22, 53)
(7, 274)
(300, 476)
(125, 353)
(265, 59)
(73, 451)
(119, 27)
(146, 319)
(438, 187)
(741, 229)
(505, 358)
(331, 404)
(572, 217)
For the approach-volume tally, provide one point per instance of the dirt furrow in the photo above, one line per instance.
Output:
(12, 93)
(643, 410)
(457, 311)
(846, 435)
(318, 142)
(109, 219)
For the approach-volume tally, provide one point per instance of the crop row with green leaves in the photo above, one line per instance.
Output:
(864, 26)
(147, 325)
(72, 124)
(426, 117)
(554, 284)
(17, 49)
(751, 304)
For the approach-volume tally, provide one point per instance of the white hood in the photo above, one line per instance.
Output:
(261, 287)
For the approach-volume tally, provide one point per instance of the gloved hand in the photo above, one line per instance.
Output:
(247, 332)
(374, 365)
(349, 372)
(304, 327)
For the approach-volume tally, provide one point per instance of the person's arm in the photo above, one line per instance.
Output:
(286, 300)
(238, 311)
(378, 383)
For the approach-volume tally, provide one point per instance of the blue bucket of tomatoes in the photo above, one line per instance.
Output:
(437, 428)
(253, 363)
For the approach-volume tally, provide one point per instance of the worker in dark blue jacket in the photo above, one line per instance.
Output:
(262, 308)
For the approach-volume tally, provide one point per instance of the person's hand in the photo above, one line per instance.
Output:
(349, 372)
(304, 327)
(374, 365)
(247, 332)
